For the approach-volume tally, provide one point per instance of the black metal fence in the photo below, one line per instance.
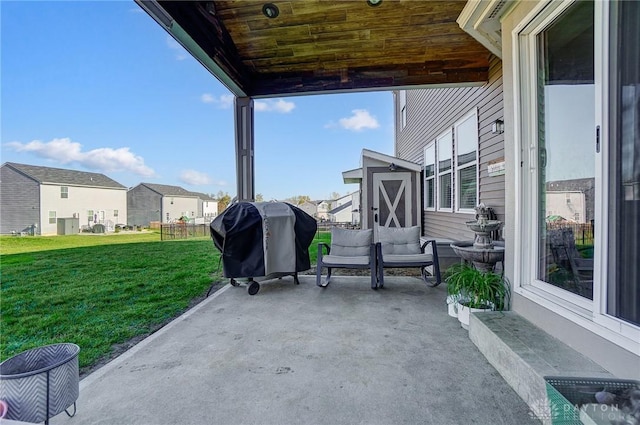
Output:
(325, 226)
(174, 231)
(583, 232)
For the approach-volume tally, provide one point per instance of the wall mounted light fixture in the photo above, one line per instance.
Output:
(393, 167)
(374, 3)
(497, 127)
(270, 10)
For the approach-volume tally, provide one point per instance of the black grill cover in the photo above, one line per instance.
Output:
(263, 238)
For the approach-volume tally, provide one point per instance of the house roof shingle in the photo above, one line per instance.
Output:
(168, 190)
(65, 177)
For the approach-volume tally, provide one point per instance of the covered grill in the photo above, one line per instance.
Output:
(263, 240)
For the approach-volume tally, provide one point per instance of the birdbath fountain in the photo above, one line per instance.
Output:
(482, 252)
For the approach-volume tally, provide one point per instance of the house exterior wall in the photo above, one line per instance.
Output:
(102, 201)
(173, 207)
(19, 202)
(342, 216)
(209, 209)
(355, 207)
(581, 333)
(310, 208)
(143, 206)
(430, 112)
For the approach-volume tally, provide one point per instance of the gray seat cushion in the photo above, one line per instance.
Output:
(345, 261)
(399, 240)
(409, 258)
(350, 243)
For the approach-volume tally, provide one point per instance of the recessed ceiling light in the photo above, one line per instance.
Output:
(270, 10)
(374, 2)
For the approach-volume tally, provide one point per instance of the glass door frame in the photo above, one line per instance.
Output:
(591, 314)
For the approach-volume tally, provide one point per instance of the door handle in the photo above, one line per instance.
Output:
(375, 217)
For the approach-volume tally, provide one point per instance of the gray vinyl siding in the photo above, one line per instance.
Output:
(19, 201)
(430, 112)
(143, 206)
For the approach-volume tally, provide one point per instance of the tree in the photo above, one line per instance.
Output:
(259, 197)
(335, 195)
(223, 199)
(298, 199)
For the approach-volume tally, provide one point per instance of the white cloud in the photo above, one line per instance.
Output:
(181, 54)
(64, 151)
(196, 178)
(225, 101)
(279, 105)
(359, 120)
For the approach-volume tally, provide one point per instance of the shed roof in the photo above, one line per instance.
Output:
(50, 175)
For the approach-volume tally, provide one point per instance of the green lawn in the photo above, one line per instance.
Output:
(99, 290)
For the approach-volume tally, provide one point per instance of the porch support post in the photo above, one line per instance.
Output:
(244, 148)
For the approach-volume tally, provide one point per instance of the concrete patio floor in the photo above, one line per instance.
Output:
(305, 355)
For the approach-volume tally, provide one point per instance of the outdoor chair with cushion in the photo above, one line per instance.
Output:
(350, 249)
(400, 247)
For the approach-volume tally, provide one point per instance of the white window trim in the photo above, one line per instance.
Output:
(456, 186)
(588, 314)
(55, 217)
(448, 132)
(434, 177)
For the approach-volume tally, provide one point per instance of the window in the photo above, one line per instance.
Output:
(52, 217)
(115, 213)
(579, 91)
(64, 192)
(430, 176)
(624, 164)
(90, 215)
(466, 137)
(444, 145)
(403, 108)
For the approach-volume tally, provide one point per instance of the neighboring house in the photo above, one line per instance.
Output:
(345, 209)
(322, 210)
(571, 137)
(149, 202)
(310, 208)
(33, 198)
(207, 206)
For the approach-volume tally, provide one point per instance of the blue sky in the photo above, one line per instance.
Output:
(99, 86)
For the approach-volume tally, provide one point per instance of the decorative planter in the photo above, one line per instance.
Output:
(451, 306)
(38, 384)
(464, 312)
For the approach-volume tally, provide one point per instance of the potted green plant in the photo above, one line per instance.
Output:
(475, 290)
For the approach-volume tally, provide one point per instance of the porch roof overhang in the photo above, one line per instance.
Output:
(315, 46)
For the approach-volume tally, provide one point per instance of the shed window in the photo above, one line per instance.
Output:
(52, 217)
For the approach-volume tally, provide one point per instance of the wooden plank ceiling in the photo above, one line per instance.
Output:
(333, 45)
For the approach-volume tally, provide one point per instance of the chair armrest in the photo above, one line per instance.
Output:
(323, 244)
(434, 248)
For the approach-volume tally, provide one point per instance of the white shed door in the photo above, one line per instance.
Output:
(392, 203)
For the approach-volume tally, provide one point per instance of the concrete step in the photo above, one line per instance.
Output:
(524, 354)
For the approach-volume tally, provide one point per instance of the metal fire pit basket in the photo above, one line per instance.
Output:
(38, 384)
